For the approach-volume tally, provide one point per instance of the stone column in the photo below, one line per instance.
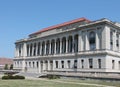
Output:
(66, 64)
(45, 49)
(48, 65)
(54, 65)
(78, 63)
(119, 42)
(79, 41)
(32, 49)
(24, 50)
(66, 44)
(73, 44)
(114, 40)
(29, 50)
(36, 48)
(41, 48)
(86, 41)
(60, 45)
(106, 37)
(72, 64)
(50, 48)
(39, 66)
(23, 65)
(55, 47)
(16, 51)
(59, 64)
(97, 39)
(44, 67)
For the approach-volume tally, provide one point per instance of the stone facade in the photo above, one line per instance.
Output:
(79, 45)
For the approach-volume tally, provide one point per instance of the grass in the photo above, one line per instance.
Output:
(101, 82)
(36, 83)
(64, 82)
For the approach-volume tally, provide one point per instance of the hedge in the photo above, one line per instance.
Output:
(12, 77)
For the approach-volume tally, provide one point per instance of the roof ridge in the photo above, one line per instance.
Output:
(60, 25)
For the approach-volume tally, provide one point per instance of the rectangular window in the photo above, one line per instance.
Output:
(75, 64)
(62, 63)
(37, 64)
(90, 63)
(33, 64)
(119, 64)
(27, 50)
(68, 64)
(82, 63)
(113, 64)
(29, 64)
(99, 63)
(111, 40)
(56, 64)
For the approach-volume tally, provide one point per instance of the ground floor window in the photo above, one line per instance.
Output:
(119, 64)
(62, 63)
(99, 63)
(90, 63)
(82, 63)
(75, 64)
(56, 64)
(68, 64)
(113, 64)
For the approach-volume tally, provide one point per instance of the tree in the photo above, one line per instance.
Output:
(6, 67)
(11, 66)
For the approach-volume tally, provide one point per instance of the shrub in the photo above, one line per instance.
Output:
(19, 77)
(6, 67)
(53, 76)
(12, 77)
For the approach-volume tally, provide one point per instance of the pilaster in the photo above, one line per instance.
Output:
(114, 40)
(97, 39)
(106, 37)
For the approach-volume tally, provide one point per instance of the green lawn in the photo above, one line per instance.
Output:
(55, 83)
(36, 83)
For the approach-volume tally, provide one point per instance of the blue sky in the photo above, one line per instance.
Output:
(19, 18)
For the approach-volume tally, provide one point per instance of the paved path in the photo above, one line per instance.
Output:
(58, 81)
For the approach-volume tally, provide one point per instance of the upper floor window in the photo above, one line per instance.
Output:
(20, 50)
(111, 40)
(117, 40)
(92, 40)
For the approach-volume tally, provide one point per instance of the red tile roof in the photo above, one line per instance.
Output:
(60, 25)
(4, 61)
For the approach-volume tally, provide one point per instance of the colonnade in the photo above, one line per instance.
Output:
(82, 41)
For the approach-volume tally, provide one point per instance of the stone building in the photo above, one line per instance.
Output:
(79, 45)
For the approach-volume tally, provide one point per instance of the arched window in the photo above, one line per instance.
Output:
(38, 52)
(92, 40)
(63, 45)
(43, 47)
(47, 47)
(76, 43)
(52, 46)
(70, 40)
(31, 50)
(58, 46)
(34, 53)
(27, 49)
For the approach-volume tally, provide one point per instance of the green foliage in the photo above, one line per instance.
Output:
(53, 77)
(12, 77)
(6, 67)
(11, 66)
